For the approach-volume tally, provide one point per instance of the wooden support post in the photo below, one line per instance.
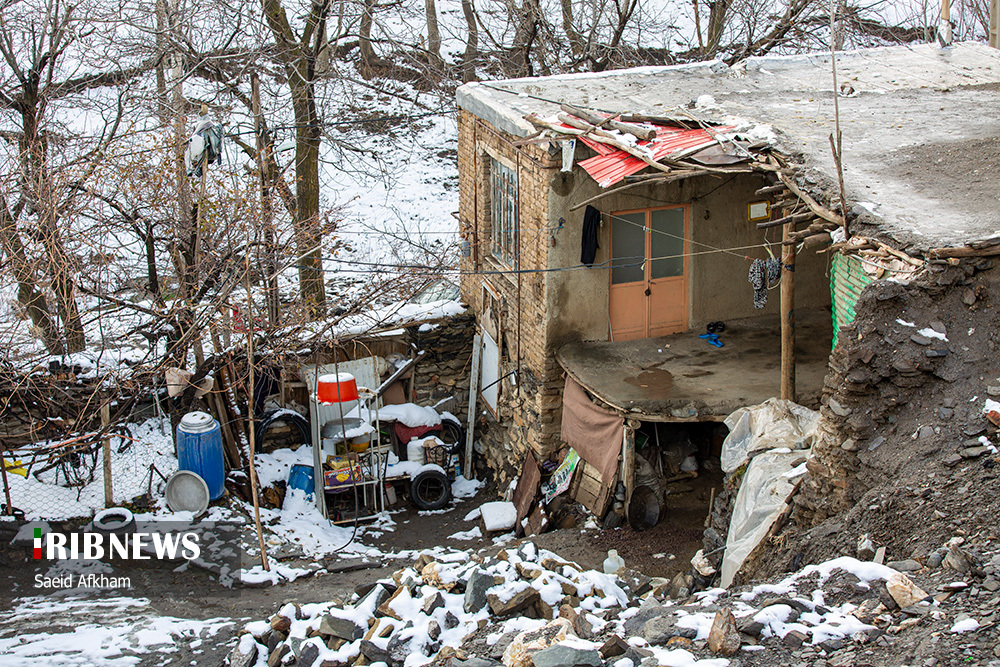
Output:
(788, 317)
(945, 35)
(628, 462)
(470, 427)
(109, 494)
(995, 24)
(6, 484)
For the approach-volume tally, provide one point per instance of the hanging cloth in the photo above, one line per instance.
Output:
(588, 242)
(763, 272)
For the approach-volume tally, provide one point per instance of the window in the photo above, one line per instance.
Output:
(503, 200)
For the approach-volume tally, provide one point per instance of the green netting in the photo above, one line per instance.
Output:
(847, 280)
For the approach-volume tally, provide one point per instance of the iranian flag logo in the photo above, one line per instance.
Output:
(38, 543)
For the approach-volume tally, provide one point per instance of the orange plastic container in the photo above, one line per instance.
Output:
(337, 388)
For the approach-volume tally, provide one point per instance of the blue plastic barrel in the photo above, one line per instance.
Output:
(301, 477)
(199, 449)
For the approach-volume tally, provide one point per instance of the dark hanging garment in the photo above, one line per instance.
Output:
(591, 228)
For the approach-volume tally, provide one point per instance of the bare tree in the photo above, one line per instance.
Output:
(297, 52)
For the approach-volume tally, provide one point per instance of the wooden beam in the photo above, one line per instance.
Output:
(814, 206)
(788, 317)
(644, 133)
(788, 219)
(771, 189)
(109, 493)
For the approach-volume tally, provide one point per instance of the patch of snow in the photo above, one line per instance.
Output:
(410, 414)
(967, 625)
(930, 333)
(471, 534)
(498, 515)
(905, 323)
(463, 488)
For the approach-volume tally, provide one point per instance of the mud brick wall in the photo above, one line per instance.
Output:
(894, 398)
(446, 367)
(528, 410)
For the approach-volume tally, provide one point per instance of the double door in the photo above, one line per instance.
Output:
(649, 272)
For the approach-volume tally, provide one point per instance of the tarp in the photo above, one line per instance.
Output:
(595, 433)
(787, 431)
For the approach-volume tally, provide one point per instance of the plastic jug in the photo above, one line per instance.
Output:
(613, 562)
(415, 451)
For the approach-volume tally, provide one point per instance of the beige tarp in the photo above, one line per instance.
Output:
(595, 433)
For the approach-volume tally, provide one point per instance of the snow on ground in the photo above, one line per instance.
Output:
(47, 495)
(112, 632)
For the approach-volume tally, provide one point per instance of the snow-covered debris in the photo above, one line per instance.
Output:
(410, 414)
(498, 516)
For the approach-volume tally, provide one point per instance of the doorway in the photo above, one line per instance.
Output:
(649, 272)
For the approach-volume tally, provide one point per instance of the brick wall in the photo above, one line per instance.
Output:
(525, 419)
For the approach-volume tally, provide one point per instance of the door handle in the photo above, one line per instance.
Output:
(648, 292)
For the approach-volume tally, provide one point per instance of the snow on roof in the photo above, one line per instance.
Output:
(915, 140)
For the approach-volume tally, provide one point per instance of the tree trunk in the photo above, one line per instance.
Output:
(575, 39)
(433, 35)
(471, 42)
(718, 13)
(368, 58)
(308, 235)
(28, 294)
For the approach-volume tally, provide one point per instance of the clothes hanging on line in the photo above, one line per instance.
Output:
(763, 272)
(591, 229)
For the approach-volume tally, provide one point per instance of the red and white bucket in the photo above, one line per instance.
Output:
(336, 388)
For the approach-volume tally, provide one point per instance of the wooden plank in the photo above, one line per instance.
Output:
(628, 462)
(109, 494)
(477, 343)
(528, 485)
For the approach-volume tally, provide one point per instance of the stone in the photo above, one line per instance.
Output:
(521, 601)
(475, 590)
(838, 409)
(908, 565)
(281, 624)
(433, 602)
(936, 352)
(398, 648)
(832, 645)
(561, 655)
(952, 460)
(273, 640)
(991, 584)
(866, 548)
(635, 624)
(374, 597)
(637, 654)
(681, 642)
(660, 630)
(475, 662)
(794, 639)
(278, 654)
(520, 650)
(850, 445)
(934, 559)
(724, 638)
(748, 626)
(434, 630)
(903, 591)
(925, 432)
(613, 647)
(973, 452)
(341, 628)
(450, 621)
(920, 340)
(373, 652)
(879, 556)
(244, 654)
(308, 653)
(958, 560)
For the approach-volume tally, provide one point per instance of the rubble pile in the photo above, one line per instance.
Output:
(526, 607)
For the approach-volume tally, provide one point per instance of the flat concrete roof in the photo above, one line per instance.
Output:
(683, 378)
(920, 126)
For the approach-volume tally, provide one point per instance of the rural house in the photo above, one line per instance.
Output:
(611, 220)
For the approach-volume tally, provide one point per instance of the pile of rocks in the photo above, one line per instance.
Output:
(526, 607)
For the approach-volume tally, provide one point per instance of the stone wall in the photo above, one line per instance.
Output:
(896, 399)
(446, 368)
(524, 420)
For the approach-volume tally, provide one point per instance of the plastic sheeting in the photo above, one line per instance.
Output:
(780, 427)
(769, 425)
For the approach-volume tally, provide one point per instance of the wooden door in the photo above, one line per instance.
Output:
(649, 268)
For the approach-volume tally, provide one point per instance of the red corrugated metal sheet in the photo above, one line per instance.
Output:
(612, 164)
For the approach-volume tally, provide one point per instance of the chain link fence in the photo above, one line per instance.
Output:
(61, 479)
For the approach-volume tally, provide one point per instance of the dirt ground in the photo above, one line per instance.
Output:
(195, 594)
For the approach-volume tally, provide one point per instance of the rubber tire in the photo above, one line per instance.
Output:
(430, 490)
(125, 525)
(296, 421)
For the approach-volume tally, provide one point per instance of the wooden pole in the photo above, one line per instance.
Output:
(787, 316)
(945, 35)
(628, 462)
(266, 213)
(248, 319)
(477, 344)
(995, 24)
(6, 484)
(109, 495)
